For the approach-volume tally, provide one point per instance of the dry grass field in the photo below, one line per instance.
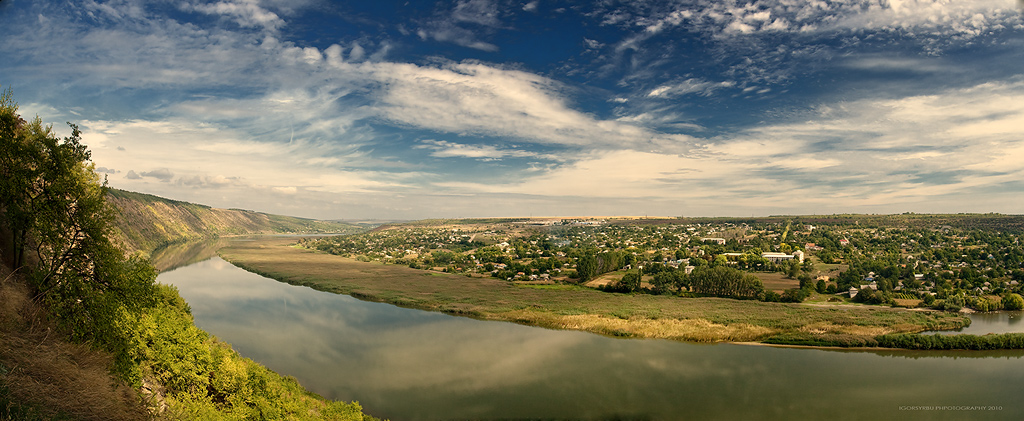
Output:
(775, 281)
(647, 316)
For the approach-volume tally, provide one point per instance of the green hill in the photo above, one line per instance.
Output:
(145, 222)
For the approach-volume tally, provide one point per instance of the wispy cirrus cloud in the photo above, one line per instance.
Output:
(688, 86)
(773, 41)
(247, 13)
(445, 149)
(463, 24)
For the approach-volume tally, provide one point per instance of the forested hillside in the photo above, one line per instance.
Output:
(144, 222)
(85, 332)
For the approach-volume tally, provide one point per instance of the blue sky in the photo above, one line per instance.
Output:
(469, 108)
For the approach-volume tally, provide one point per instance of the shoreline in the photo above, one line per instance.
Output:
(697, 320)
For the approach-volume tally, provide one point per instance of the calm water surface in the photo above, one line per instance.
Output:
(407, 364)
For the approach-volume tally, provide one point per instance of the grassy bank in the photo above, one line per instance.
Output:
(644, 316)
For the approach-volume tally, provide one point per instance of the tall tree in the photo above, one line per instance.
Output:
(54, 205)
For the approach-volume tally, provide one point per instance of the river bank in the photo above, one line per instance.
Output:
(706, 320)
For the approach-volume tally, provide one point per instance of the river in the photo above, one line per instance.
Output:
(406, 364)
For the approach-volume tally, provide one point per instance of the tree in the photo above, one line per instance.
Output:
(630, 282)
(586, 267)
(54, 204)
(669, 280)
(1013, 302)
(792, 269)
(724, 281)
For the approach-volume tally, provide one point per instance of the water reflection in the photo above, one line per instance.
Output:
(413, 365)
(176, 255)
(995, 322)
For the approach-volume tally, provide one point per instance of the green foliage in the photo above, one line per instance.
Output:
(669, 280)
(954, 303)
(809, 339)
(1013, 302)
(630, 282)
(972, 342)
(771, 297)
(586, 267)
(905, 341)
(724, 281)
(795, 295)
(54, 202)
(928, 299)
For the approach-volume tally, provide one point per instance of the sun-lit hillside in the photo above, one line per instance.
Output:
(145, 222)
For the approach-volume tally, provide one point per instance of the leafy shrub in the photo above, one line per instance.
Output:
(1013, 302)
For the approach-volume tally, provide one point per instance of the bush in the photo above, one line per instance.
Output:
(945, 342)
(795, 295)
(1013, 302)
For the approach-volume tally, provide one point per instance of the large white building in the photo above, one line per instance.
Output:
(778, 257)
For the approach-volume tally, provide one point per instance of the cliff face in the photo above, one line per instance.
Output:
(144, 222)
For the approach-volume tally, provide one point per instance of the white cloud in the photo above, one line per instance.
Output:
(300, 123)
(247, 13)
(445, 149)
(936, 151)
(688, 86)
(472, 98)
(464, 24)
(960, 19)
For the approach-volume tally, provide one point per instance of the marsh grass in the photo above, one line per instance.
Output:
(569, 307)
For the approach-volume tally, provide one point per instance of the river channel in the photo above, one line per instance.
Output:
(405, 364)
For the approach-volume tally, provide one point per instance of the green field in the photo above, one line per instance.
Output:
(646, 316)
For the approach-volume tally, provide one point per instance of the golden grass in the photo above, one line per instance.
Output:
(830, 328)
(690, 330)
(56, 377)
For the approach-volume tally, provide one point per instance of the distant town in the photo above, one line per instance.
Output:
(946, 262)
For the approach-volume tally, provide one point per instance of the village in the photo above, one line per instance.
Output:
(909, 261)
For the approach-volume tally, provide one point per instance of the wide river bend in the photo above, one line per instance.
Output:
(405, 364)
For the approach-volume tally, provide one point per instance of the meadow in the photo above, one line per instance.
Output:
(626, 315)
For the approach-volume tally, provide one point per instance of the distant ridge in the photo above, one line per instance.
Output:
(144, 222)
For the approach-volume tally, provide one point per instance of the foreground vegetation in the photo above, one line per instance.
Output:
(74, 306)
(702, 319)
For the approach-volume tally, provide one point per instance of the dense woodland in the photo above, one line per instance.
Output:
(56, 225)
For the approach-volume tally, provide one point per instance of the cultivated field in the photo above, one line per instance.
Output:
(648, 316)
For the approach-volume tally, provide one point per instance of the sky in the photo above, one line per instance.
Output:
(492, 108)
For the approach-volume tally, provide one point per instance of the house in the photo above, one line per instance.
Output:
(720, 241)
(853, 292)
(776, 257)
(844, 242)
